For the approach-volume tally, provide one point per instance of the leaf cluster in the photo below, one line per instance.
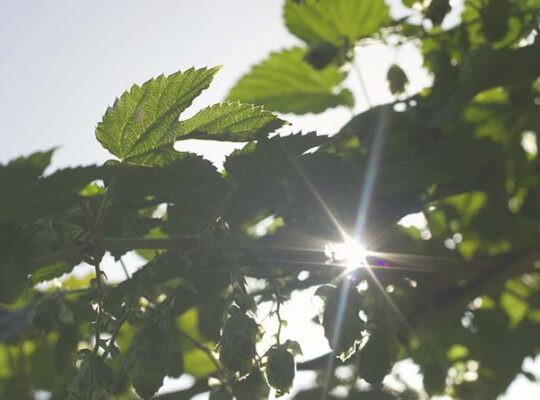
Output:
(218, 245)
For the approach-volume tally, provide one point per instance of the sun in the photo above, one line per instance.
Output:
(350, 252)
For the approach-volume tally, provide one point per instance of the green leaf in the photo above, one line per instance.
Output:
(284, 82)
(325, 291)
(220, 393)
(496, 19)
(335, 21)
(197, 363)
(253, 387)
(343, 340)
(437, 11)
(17, 173)
(321, 54)
(266, 174)
(93, 376)
(139, 123)
(48, 272)
(439, 166)
(17, 176)
(269, 158)
(40, 195)
(515, 307)
(229, 121)
(409, 3)
(377, 357)
(145, 360)
(294, 347)
(184, 177)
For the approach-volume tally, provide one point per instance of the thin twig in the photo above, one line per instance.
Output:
(117, 329)
(221, 207)
(126, 272)
(97, 327)
(95, 260)
(278, 313)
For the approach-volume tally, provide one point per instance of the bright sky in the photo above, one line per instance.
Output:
(63, 62)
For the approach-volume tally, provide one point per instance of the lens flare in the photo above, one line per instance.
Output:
(350, 252)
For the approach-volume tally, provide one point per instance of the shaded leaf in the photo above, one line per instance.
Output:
(253, 387)
(397, 79)
(266, 174)
(268, 157)
(377, 357)
(437, 11)
(146, 360)
(41, 196)
(342, 307)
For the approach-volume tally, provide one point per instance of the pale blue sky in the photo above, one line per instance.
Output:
(62, 62)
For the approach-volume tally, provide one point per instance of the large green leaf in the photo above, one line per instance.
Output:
(140, 121)
(229, 121)
(335, 21)
(186, 175)
(479, 164)
(269, 157)
(285, 83)
(29, 195)
(266, 174)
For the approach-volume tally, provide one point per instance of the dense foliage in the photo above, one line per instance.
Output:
(460, 296)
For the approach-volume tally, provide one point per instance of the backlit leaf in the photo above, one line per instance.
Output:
(335, 21)
(284, 82)
(230, 121)
(140, 121)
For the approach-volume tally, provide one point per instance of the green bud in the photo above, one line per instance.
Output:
(238, 340)
(280, 369)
